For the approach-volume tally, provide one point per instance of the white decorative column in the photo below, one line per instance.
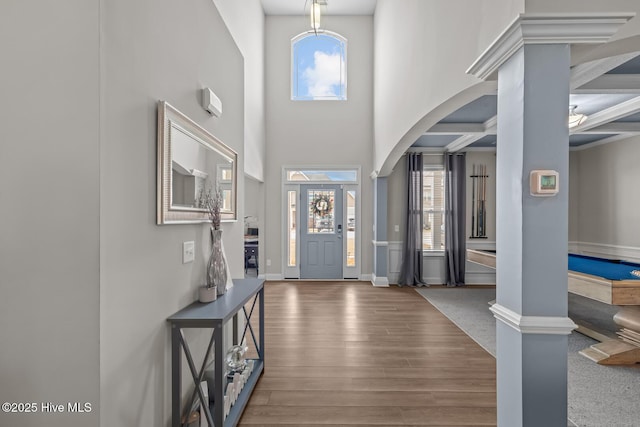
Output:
(532, 59)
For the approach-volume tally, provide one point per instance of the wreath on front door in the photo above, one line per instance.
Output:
(321, 205)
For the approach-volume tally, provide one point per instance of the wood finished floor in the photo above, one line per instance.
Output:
(349, 354)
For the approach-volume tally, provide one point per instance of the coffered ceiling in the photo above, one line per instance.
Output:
(607, 91)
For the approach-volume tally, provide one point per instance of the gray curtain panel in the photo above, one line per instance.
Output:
(411, 270)
(455, 219)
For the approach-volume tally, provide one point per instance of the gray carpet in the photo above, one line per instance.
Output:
(599, 396)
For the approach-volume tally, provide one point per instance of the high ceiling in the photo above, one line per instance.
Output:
(334, 7)
(607, 91)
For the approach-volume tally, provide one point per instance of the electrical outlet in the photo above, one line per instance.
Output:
(397, 228)
(188, 252)
(268, 263)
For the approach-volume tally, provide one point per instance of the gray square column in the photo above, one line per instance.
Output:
(532, 61)
(532, 234)
(380, 243)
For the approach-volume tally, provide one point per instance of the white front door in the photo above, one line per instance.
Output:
(321, 231)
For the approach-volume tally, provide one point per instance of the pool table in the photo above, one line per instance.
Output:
(613, 282)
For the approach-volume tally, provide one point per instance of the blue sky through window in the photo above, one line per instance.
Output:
(319, 70)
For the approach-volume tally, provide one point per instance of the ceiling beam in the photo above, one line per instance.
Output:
(611, 83)
(584, 73)
(610, 114)
(489, 126)
(456, 128)
(619, 127)
(462, 142)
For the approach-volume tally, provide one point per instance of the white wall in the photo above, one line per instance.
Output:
(317, 133)
(49, 209)
(245, 20)
(422, 50)
(162, 51)
(607, 202)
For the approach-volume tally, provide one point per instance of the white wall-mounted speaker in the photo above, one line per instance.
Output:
(211, 102)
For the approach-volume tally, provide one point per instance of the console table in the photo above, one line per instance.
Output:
(215, 315)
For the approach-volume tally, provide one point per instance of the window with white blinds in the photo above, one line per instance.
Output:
(433, 208)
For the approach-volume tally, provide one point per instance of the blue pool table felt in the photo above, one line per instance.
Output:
(608, 269)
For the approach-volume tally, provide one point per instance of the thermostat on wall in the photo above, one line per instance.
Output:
(543, 182)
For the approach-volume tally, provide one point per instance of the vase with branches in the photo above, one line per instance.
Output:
(216, 273)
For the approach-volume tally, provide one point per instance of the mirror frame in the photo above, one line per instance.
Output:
(169, 116)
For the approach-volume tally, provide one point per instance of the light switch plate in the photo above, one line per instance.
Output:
(188, 252)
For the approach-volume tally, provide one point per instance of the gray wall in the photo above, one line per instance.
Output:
(245, 20)
(607, 204)
(317, 133)
(49, 209)
(574, 190)
(162, 51)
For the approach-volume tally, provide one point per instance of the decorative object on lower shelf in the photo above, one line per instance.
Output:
(235, 360)
(192, 419)
(227, 401)
(210, 378)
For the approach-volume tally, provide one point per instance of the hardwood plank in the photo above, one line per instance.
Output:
(379, 398)
(462, 415)
(302, 415)
(349, 354)
(379, 384)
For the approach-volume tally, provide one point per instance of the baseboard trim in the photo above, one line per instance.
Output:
(481, 244)
(381, 282)
(628, 253)
(276, 277)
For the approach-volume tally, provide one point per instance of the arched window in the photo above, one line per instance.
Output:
(319, 66)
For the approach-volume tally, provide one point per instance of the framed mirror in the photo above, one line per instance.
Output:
(191, 163)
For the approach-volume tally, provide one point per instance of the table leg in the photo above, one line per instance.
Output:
(176, 376)
(219, 380)
(261, 325)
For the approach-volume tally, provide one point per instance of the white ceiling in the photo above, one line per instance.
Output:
(334, 7)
